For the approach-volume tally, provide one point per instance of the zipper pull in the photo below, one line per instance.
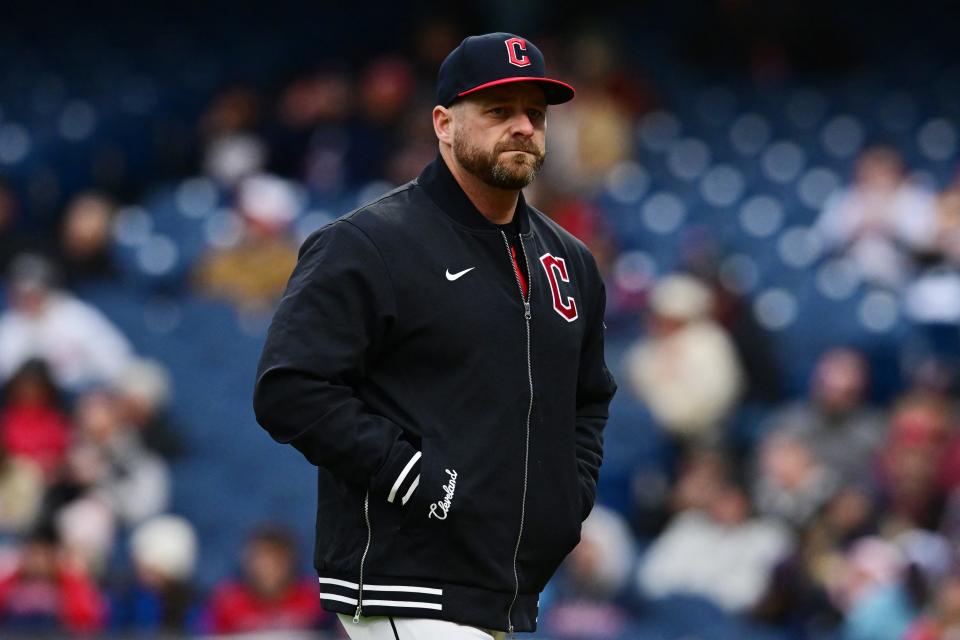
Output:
(356, 616)
(526, 310)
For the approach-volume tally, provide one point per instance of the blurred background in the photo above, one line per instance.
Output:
(771, 190)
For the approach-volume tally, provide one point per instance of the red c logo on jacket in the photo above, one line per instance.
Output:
(556, 269)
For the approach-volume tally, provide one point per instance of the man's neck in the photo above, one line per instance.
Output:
(496, 205)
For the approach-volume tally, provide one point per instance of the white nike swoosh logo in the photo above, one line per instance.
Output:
(453, 276)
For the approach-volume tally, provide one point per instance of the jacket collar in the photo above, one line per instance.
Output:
(445, 191)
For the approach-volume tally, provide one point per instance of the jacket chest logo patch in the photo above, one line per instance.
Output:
(556, 269)
(439, 510)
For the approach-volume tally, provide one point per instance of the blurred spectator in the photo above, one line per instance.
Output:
(942, 621)
(12, 241)
(79, 343)
(231, 158)
(581, 218)
(791, 484)
(32, 423)
(835, 423)
(850, 515)
(310, 115)
(881, 220)
(723, 553)
(703, 256)
(932, 378)
(233, 150)
(596, 59)
(797, 604)
(690, 481)
(592, 596)
(386, 89)
(588, 139)
(269, 595)
(911, 463)
(703, 474)
(21, 494)
(356, 134)
(109, 479)
(143, 394)
(46, 595)
(160, 597)
(933, 298)
(686, 368)
(253, 273)
(437, 35)
(798, 598)
(234, 109)
(384, 93)
(85, 238)
(82, 519)
(592, 135)
(121, 472)
(87, 529)
(948, 223)
(872, 594)
(416, 145)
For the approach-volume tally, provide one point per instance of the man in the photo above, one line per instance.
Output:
(438, 354)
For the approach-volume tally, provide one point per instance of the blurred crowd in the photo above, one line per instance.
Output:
(87, 542)
(820, 516)
(835, 516)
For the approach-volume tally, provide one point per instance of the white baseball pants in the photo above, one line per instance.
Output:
(391, 628)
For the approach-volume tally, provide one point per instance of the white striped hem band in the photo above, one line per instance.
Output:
(383, 603)
(387, 590)
(381, 587)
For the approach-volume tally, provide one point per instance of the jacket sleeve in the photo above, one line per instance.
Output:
(328, 329)
(595, 389)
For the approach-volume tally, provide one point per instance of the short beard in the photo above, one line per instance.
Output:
(512, 174)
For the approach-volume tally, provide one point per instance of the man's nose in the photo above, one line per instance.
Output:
(522, 125)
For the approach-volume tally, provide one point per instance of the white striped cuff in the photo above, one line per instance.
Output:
(407, 481)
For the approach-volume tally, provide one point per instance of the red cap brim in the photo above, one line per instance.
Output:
(556, 92)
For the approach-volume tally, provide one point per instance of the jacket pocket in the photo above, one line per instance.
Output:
(554, 513)
(457, 526)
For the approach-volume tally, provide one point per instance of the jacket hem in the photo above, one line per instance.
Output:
(414, 598)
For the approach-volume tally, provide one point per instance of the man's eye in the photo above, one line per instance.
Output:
(536, 115)
(497, 111)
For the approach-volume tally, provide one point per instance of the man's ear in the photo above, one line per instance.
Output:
(443, 124)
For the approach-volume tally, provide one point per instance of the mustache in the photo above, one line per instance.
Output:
(528, 146)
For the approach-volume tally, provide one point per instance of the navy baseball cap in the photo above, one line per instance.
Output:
(495, 59)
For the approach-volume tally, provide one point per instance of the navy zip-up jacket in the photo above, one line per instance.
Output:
(456, 424)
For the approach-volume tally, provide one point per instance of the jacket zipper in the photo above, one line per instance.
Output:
(526, 452)
(363, 559)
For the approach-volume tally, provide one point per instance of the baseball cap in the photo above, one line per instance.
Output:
(495, 59)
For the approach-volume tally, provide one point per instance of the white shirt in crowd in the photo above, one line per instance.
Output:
(690, 379)
(727, 564)
(79, 343)
(877, 229)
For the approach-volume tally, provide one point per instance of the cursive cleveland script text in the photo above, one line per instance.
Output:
(443, 507)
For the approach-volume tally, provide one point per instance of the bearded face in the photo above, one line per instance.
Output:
(509, 165)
